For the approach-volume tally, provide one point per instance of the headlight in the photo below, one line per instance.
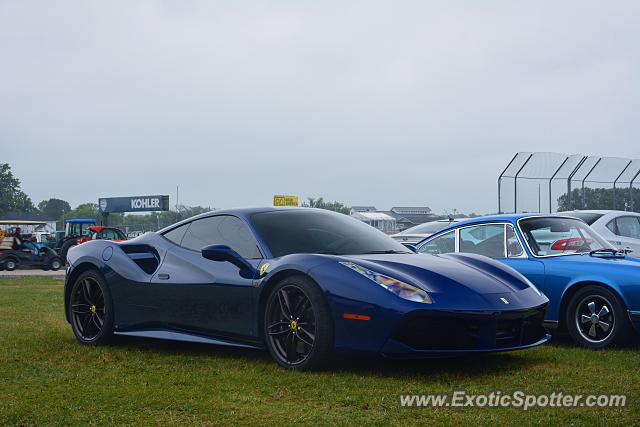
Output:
(401, 289)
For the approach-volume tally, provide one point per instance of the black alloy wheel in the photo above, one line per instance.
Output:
(297, 324)
(90, 309)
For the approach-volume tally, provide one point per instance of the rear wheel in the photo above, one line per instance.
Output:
(91, 309)
(65, 248)
(55, 264)
(298, 328)
(10, 264)
(596, 318)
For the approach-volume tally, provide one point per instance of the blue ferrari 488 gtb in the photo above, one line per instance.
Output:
(301, 282)
(593, 288)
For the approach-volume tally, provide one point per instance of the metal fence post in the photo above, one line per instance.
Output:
(631, 190)
(616, 180)
(515, 184)
(500, 182)
(553, 176)
(570, 178)
(584, 200)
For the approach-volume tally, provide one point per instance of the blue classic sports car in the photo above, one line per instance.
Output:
(593, 288)
(300, 282)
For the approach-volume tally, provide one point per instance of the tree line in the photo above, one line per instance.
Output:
(621, 199)
(14, 200)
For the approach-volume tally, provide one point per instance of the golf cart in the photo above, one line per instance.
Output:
(15, 253)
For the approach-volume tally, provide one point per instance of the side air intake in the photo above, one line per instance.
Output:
(144, 256)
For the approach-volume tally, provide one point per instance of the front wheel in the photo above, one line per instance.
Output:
(298, 328)
(596, 318)
(90, 309)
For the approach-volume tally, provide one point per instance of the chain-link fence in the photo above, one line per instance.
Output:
(552, 182)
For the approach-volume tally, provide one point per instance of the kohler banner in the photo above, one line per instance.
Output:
(133, 204)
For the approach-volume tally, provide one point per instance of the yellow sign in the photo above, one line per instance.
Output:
(285, 200)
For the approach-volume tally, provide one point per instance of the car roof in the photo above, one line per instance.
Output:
(600, 211)
(242, 212)
(81, 221)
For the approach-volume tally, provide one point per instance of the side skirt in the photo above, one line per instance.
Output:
(181, 336)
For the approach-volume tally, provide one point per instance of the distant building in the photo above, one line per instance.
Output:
(394, 220)
(39, 222)
(407, 217)
(371, 216)
(364, 209)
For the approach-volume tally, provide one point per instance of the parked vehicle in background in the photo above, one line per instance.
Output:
(421, 231)
(15, 253)
(620, 228)
(74, 229)
(593, 287)
(100, 232)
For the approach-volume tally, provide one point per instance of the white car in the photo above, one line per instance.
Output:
(421, 231)
(620, 228)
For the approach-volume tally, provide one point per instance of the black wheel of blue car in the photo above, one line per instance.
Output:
(90, 309)
(596, 318)
(298, 328)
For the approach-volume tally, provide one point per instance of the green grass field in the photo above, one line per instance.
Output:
(47, 378)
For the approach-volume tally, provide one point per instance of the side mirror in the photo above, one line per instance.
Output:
(223, 253)
(411, 247)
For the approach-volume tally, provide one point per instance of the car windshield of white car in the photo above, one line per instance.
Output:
(560, 236)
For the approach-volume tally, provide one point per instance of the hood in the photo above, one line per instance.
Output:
(453, 274)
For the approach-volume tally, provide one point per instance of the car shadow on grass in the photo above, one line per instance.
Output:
(365, 364)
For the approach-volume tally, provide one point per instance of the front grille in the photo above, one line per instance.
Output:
(463, 331)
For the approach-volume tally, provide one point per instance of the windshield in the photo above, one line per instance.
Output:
(587, 217)
(427, 228)
(560, 236)
(317, 231)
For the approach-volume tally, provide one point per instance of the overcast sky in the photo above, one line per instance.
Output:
(385, 103)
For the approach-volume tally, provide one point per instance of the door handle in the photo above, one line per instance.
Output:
(163, 276)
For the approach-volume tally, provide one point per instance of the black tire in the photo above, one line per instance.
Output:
(10, 264)
(55, 264)
(596, 318)
(297, 324)
(65, 248)
(91, 309)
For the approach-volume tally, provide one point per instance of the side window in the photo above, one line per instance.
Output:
(514, 248)
(487, 240)
(108, 234)
(628, 226)
(221, 230)
(444, 244)
(177, 234)
(611, 225)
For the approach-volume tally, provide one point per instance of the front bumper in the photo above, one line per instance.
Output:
(424, 331)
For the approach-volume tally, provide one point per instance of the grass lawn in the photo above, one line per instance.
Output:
(47, 378)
